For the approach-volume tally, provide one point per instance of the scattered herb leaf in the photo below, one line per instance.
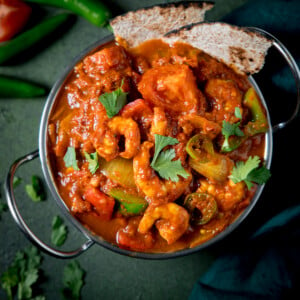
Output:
(35, 190)
(17, 180)
(93, 161)
(70, 159)
(73, 280)
(250, 172)
(59, 231)
(169, 169)
(160, 143)
(113, 101)
(162, 161)
(228, 130)
(22, 274)
(260, 175)
(3, 208)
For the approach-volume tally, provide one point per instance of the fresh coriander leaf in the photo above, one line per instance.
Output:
(70, 159)
(73, 280)
(93, 161)
(35, 190)
(114, 101)
(9, 280)
(17, 180)
(25, 285)
(160, 143)
(162, 161)
(260, 175)
(228, 130)
(3, 208)
(242, 169)
(22, 274)
(249, 172)
(237, 112)
(169, 169)
(59, 231)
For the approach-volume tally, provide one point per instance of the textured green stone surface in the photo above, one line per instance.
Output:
(109, 275)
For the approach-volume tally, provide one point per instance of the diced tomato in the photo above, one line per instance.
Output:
(139, 111)
(104, 204)
(13, 16)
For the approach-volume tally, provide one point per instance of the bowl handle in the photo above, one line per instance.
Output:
(11, 201)
(294, 68)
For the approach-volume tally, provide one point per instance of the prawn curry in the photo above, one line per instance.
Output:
(156, 148)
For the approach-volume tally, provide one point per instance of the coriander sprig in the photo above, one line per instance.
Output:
(250, 172)
(163, 162)
(93, 161)
(114, 101)
(70, 159)
(229, 129)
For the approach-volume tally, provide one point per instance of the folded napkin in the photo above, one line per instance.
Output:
(262, 260)
(266, 267)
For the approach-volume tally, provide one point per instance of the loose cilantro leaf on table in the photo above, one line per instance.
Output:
(93, 161)
(73, 280)
(35, 190)
(114, 101)
(163, 163)
(250, 172)
(3, 208)
(22, 274)
(59, 231)
(70, 159)
(229, 129)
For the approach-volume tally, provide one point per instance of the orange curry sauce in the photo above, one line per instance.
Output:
(168, 87)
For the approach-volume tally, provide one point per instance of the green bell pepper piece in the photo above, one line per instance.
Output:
(129, 204)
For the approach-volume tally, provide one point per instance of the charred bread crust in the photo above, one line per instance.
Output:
(239, 48)
(153, 22)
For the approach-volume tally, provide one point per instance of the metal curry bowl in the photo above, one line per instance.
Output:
(90, 236)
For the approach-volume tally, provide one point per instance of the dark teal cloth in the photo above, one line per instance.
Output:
(261, 260)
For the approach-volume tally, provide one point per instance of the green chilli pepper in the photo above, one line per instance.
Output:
(199, 147)
(92, 10)
(30, 37)
(205, 160)
(258, 123)
(129, 204)
(201, 206)
(16, 88)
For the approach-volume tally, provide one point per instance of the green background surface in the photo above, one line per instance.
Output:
(108, 275)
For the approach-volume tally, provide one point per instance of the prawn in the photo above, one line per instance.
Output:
(107, 136)
(149, 183)
(130, 130)
(192, 121)
(140, 112)
(170, 219)
(227, 195)
(159, 123)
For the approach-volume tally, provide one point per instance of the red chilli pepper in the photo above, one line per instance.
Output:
(13, 16)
